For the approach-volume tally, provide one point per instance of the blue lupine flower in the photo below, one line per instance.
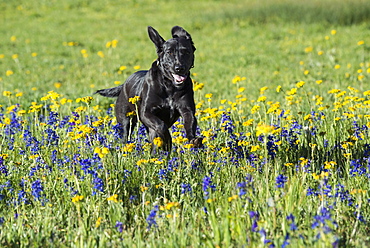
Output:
(119, 226)
(185, 188)
(291, 218)
(254, 215)
(2, 220)
(281, 180)
(322, 219)
(151, 217)
(3, 168)
(286, 241)
(206, 185)
(162, 174)
(53, 118)
(37, 189)
(98, 185)
(132, 198)
(22, 197)
(227, 124)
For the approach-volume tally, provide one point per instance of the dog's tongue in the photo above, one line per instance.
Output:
(179, 78)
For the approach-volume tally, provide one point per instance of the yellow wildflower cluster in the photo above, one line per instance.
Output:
(134, 99)
(113, 198)
(149, 161)
(77, 198)
(101, 151)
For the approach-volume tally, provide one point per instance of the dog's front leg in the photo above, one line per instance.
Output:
(190, 125)
(157, 129)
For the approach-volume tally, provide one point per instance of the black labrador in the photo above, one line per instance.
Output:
(165, 91)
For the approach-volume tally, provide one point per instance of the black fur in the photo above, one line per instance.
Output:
(165, 91)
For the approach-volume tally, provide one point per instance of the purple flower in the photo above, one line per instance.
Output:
(37, 189)
(254, 215)
(151, 217)
(185, 188)
(119, 226)
(281, 180)
(206, 185)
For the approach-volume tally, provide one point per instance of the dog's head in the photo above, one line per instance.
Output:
(175, 56)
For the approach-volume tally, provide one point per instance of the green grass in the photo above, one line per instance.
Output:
(284, 164)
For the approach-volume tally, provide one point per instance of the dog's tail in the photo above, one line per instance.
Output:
(112, 92)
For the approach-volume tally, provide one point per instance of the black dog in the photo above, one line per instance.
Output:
(165, 91)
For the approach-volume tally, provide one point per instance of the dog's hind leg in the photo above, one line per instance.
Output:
(126, 118)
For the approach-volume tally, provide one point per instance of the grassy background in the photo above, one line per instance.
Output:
(62, 46)
(252, 39)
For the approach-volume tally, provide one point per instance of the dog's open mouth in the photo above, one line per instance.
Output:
(179, 79)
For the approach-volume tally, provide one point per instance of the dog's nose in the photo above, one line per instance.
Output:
(179, 68)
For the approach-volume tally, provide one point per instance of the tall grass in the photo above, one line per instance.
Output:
(282, 107)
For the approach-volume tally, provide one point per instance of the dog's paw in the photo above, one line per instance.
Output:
(197, 142)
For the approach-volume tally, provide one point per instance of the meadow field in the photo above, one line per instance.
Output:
(283, 98)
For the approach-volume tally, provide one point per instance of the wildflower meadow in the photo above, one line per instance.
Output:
(282, 96)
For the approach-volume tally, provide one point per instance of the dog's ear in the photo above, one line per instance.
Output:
(179, 32)
(156, 38)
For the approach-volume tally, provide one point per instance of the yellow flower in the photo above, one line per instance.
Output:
(188, 146)
(361, 42)
(366, 93)
(143, 188)
(241, 89)
(329, 165)
(114, 43)
(101, 151)
(291, 92)
(278, 89)
(9, 73)
(137, 67)
(100, 54)
(198, 86)
(336, 66)
(248, 122)
(57, 85)
(300, 84)
(234, 197)
(320, 53)
(98, 222)
(255, 108)
(141, 161)
(255, 148)
(237, 79)
(132, 113)
(261, 99)
(134, 99)
(263, 89)
(264, 129)
(209, 95)
(77, 198)
(158, 141)
(171, 205)
(318, 81)
(289, 164)
(333, 32)
(308, 49)
(7, 93)
(129, 147)
(113, 198)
